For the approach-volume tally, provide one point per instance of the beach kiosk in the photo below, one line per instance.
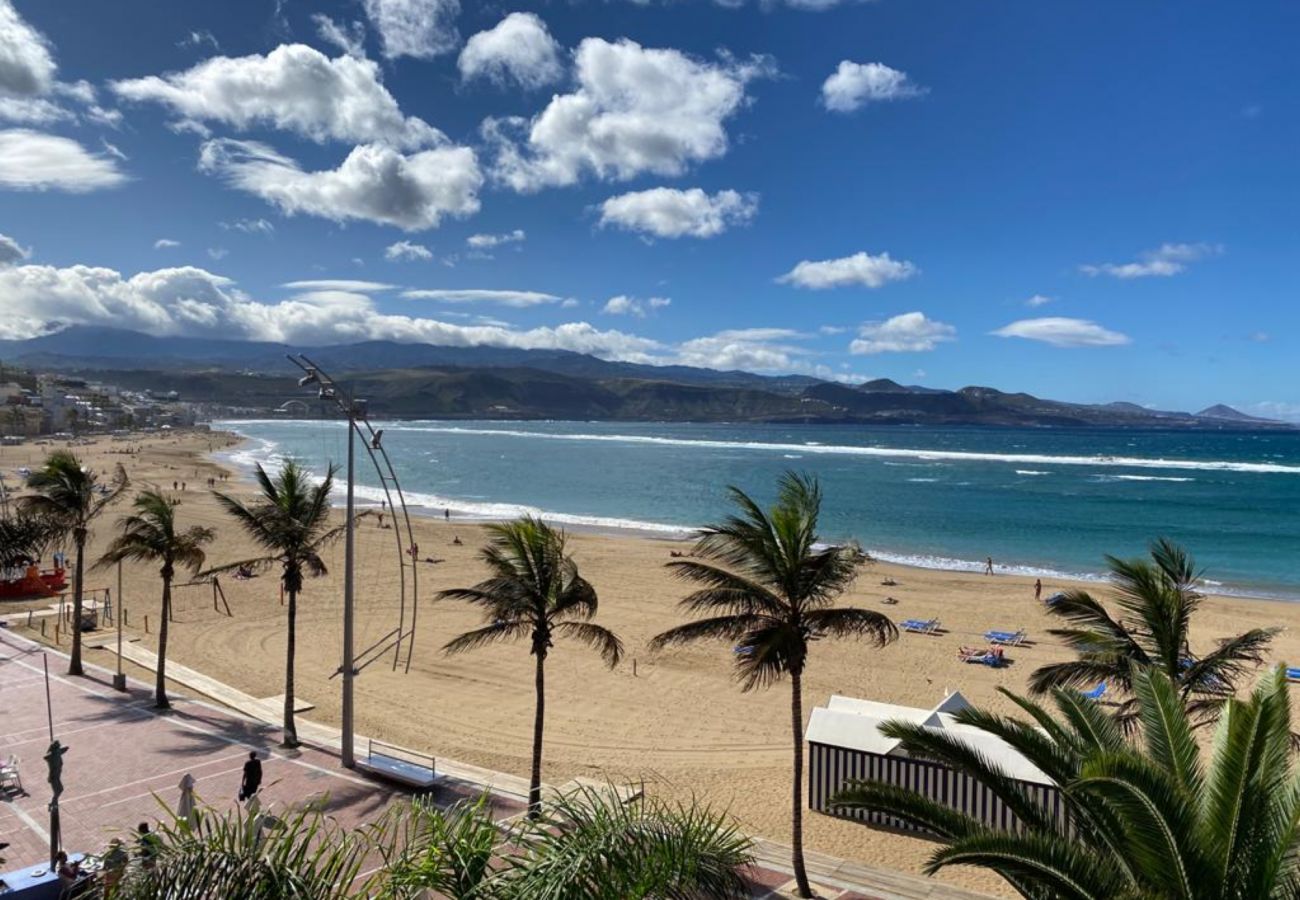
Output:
(845, 744)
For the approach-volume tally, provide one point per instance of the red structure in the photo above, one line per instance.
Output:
(35, 582)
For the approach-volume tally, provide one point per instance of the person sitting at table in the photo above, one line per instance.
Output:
(71, 878)
(68, 872)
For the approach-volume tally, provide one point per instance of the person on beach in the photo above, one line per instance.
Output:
(252, 777)
(446, 514)
(988, 566)
(1038, 589)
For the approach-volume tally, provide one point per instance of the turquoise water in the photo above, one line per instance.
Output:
(1036, 501)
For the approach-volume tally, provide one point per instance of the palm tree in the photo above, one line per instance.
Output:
(588, 844)
(150, 535)
(1155, 820)
(290, 520)
(1157, 600)
(70, 498)
(768, 587)
(24, 538)
(534, 592)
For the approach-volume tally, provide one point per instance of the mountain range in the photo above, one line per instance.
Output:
(409, 380)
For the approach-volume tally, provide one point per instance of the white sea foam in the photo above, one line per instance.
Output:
(1142, 478)
(1135, 462)
(1031, 472)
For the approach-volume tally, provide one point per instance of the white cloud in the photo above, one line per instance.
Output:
(27, 66)
(907, 333)
(421, 29)
(112, 150)
(483, 241)
(199, 38)
(192, 301)
(294, 88)
(672, 213)
(33, 111)
(517, 49)
(1037, 300)
(344, 285)
(375, 183)
(860, 268)
(250, 226)
(405, 250)
(218, 252)
(762, 349)
(1165, 260)
(11, 251)
(516, 299)
(34, 161)
(622, 305)
(853, 85)
(635, 111)
(1063, 332)
(350, 37)
(165, 244)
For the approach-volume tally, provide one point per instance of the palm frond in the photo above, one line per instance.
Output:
(488, 634)
(601, 639)
(849, 621)
(726, 628)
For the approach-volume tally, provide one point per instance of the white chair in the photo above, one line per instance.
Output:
(10, 780)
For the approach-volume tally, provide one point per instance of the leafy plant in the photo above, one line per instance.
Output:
(534, 592)
(151, 535)
(69, 497)
(290, 520)
(767, 585)
(1156, 819)
(1158, 599)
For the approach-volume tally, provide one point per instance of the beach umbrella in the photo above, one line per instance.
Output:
(186, 809)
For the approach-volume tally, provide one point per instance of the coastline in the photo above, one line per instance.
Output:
(676, 721)
(432, 507)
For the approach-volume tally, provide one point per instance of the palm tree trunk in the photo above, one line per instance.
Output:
(160, 687)
(290, 732)
(796, 809)
(539, 718)
(79, 572)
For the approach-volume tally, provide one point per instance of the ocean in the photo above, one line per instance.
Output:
(1045, 502)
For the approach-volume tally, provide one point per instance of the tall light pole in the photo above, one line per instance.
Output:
(119, 679)
(351, 408)
(349, 550)
(358, 423)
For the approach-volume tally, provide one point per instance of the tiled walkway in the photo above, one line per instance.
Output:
(124, 759)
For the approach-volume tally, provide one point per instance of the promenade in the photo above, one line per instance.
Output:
(124, 759)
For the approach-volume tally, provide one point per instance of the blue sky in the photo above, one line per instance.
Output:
(1088, 202)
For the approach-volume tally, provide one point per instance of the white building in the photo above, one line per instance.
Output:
(845, 745)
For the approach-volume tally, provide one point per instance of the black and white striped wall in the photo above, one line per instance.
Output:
(830, 769)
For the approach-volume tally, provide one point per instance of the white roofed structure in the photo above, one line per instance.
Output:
(846, 744)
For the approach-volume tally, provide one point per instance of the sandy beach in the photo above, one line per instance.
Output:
(679, 723)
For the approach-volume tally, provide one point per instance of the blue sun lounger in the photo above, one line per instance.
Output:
(1007, 638)
(921, 626)
(1096, 693)
(1293, 674)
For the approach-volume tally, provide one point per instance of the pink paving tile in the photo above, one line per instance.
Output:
(124, 759)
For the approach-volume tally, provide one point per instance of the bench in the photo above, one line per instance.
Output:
(397, 764)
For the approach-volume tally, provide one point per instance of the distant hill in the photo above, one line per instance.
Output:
(84, 347)
(1228, 414)
(419, 380)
